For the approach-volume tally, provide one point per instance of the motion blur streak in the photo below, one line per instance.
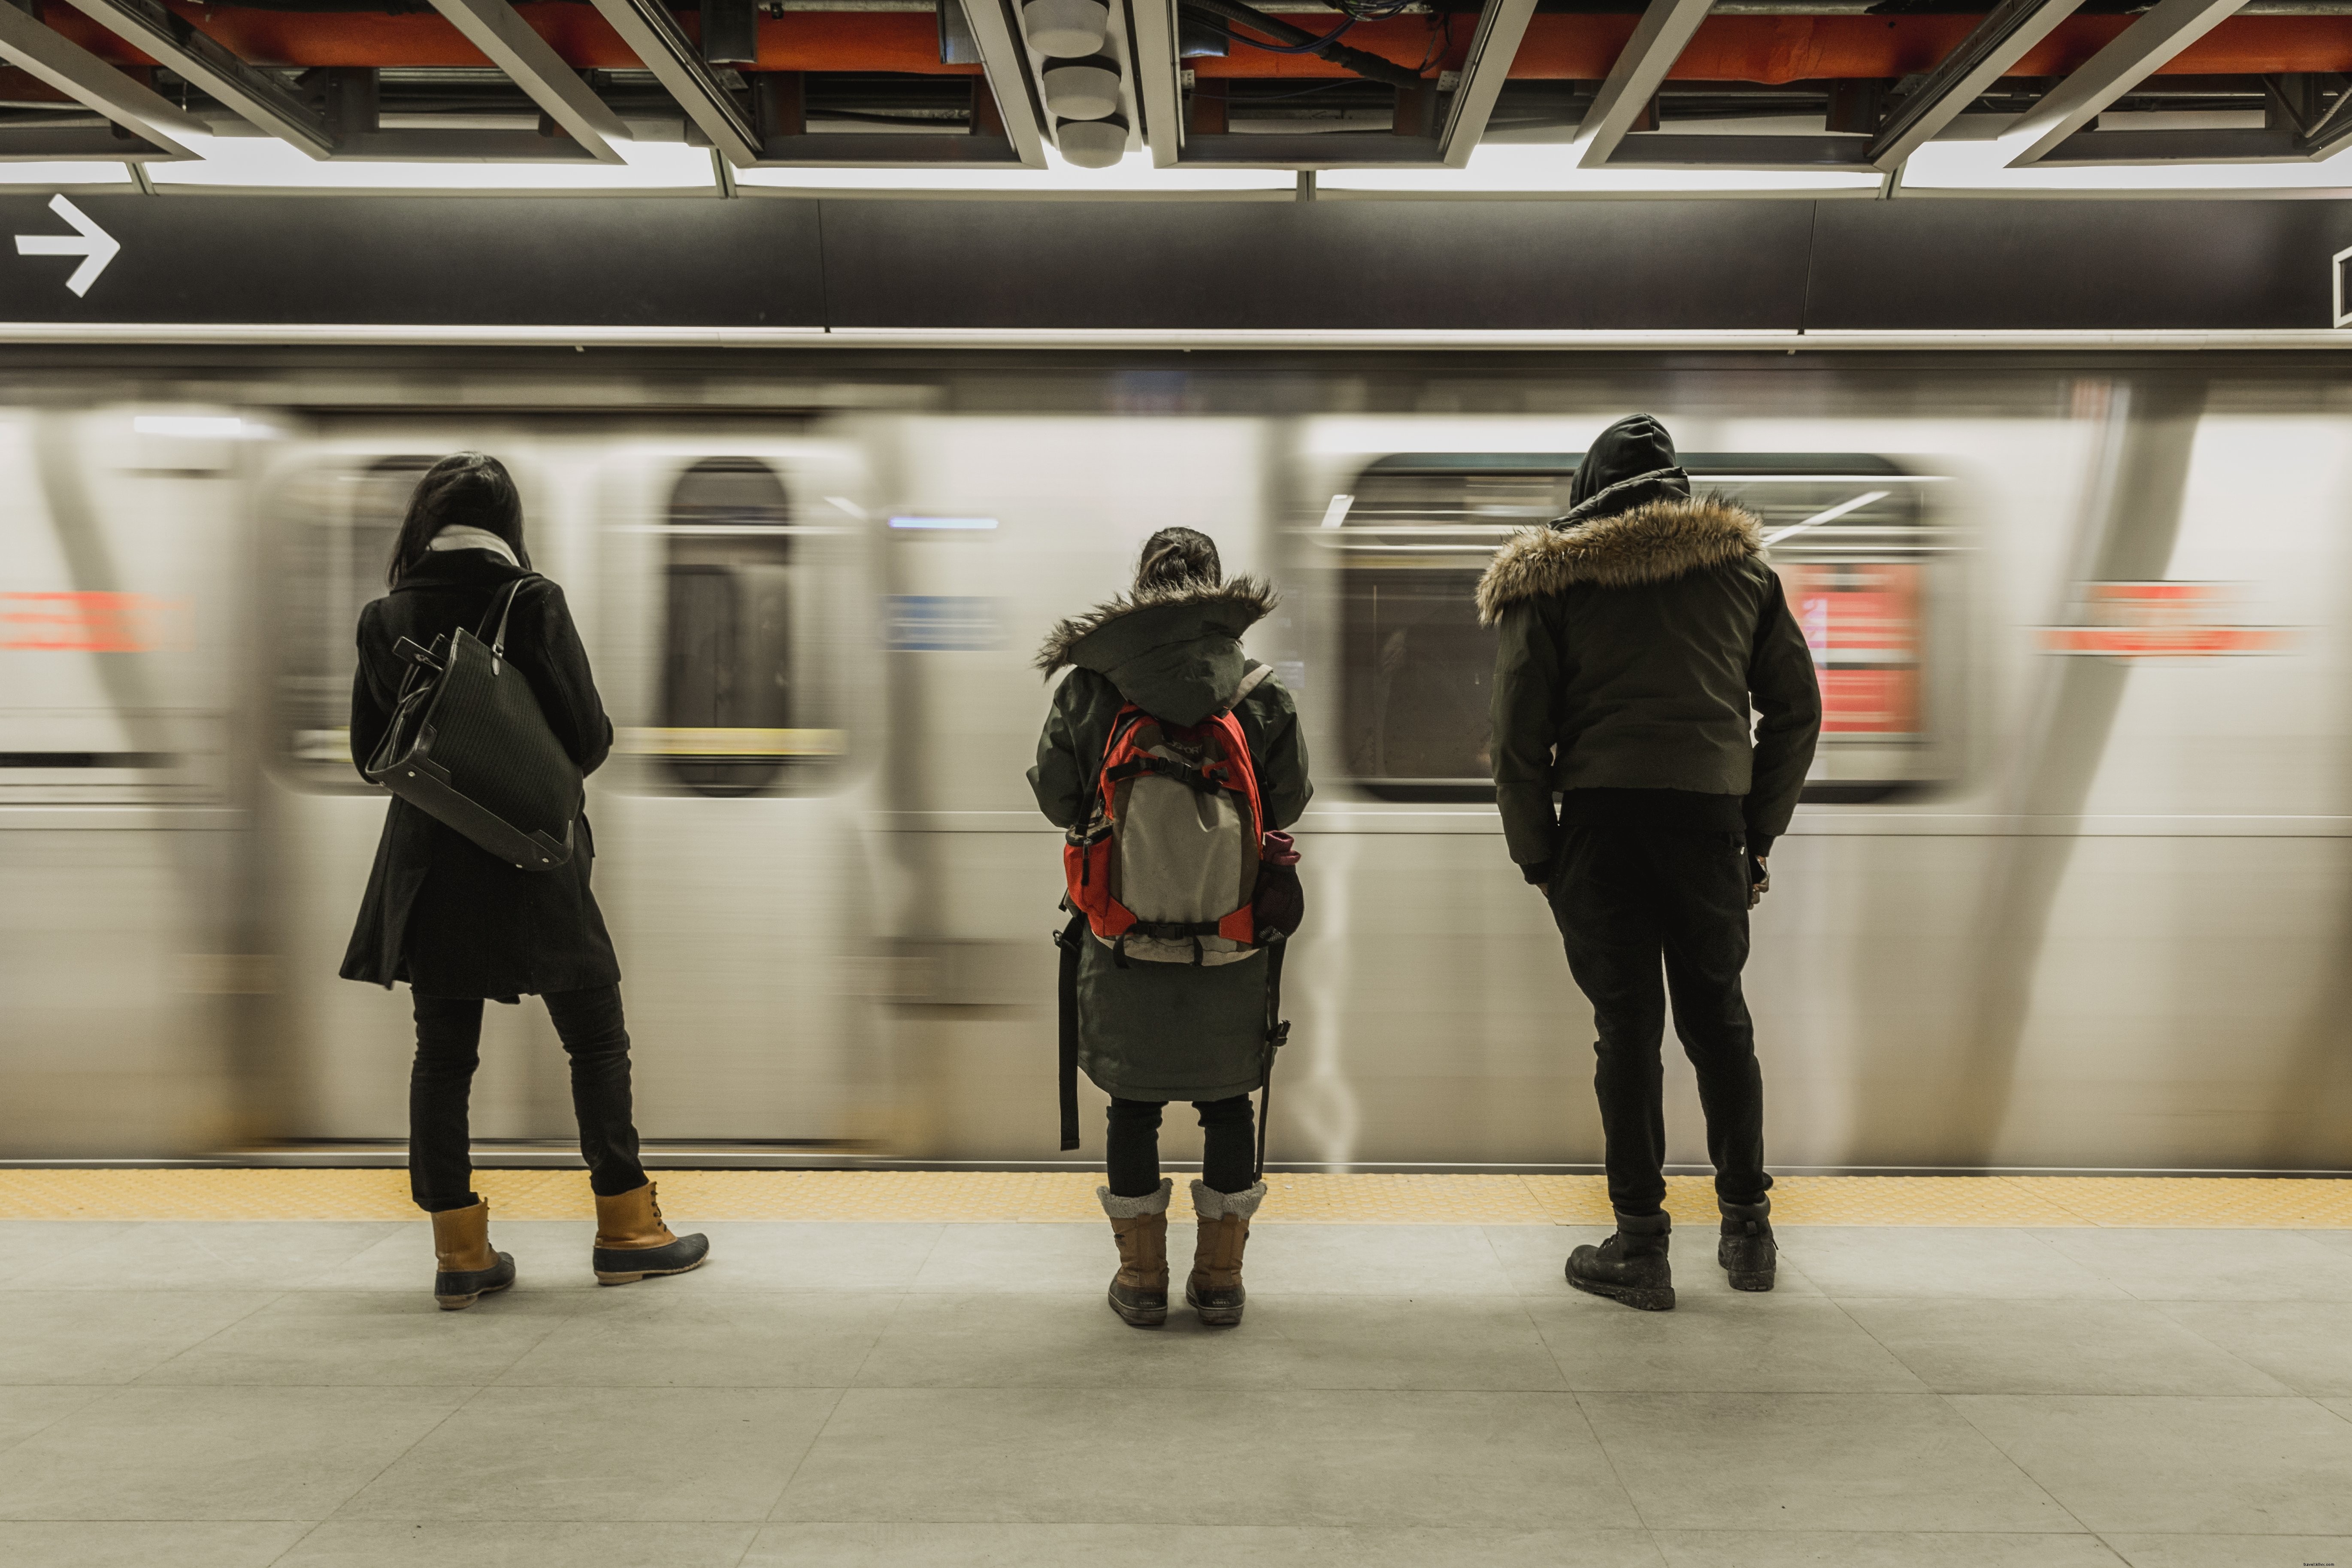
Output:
(2072, 887)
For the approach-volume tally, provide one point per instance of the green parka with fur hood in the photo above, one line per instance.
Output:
(1636, 632)
(1168, 1031)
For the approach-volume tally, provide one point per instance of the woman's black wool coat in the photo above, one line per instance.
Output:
(445, 916)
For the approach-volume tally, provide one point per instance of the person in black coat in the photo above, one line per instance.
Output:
(461, 925)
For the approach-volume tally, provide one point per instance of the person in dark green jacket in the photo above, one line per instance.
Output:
(1190, 1026)
(1637, 634)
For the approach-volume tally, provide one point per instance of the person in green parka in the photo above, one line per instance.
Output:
(1150, 1032)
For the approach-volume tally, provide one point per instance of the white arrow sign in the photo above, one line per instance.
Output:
(95, 247)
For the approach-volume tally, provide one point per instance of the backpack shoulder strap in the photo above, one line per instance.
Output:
(1250, 683)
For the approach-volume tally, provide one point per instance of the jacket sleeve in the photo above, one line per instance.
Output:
(1526, 728)
(1787, 699)
(372, 705)
(567, 688)
(1057, 780)
(1279, 746)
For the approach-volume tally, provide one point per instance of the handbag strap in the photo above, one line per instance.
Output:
(498, 640)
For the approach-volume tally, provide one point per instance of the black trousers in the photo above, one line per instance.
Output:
(1628, 899)
(448, 1050)
(1228, 1145)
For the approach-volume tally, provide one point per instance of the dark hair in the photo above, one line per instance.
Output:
(1174, 556)
(471, 490)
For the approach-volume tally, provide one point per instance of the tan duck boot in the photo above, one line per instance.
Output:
(466, 1265)
(1215, 1290)
(632, 1242)
(1138, 1291)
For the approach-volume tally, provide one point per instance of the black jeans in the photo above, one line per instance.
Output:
(1626, 898)
(1228, 1140)
(448, 1049)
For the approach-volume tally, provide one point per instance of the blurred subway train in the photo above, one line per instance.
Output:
(2072, 887)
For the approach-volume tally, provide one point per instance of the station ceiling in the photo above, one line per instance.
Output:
(1849, 86)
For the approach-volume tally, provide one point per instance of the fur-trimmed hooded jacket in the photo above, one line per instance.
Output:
(1167, 1031)
(1637, 631)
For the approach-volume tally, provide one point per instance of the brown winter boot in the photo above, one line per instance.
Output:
(1138, 1291)
(466, 1266)
(1215, 1290)
(632, 1242)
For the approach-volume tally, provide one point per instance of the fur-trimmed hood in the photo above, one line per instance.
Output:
(1647, 528)
(1173, 651)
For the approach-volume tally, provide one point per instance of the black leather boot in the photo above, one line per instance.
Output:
(1747, 1250)
(1630, 1267)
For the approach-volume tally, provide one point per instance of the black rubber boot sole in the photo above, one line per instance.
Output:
(626, 1266)
(1140, 1313)
(1215, 1314)
(1641, 1298)
(457, 1290)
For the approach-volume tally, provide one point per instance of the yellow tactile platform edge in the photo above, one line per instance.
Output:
(966, 1196)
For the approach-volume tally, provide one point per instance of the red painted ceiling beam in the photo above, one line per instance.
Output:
(1765, 49)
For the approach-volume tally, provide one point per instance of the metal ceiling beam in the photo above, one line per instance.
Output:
(494, 28)
(653, 36)
(82, 75)
(1005, 56)
(1151, 39)
(1960, 77)
(2137, 52)
(255, 95)
(1657, 42)
(1501, 24)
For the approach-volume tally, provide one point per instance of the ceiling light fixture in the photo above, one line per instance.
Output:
(1065, 29)
(1082, 90)
(1093, 144)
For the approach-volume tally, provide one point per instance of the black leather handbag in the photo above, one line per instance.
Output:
(470, 748)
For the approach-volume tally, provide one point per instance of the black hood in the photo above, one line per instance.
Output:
(1636, 447)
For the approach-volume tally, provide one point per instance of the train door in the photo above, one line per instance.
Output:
(1001, 526)
(734, 645)
(124, 952)
(331, 507)
(1424, 932)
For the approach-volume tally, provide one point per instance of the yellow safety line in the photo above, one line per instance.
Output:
(1061, 1196)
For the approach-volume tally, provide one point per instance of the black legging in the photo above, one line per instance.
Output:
(1228, 1152)
(448, 1049)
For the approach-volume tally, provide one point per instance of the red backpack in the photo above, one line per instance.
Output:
(1163, 861)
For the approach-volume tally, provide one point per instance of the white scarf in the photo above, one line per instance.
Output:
(457, 536)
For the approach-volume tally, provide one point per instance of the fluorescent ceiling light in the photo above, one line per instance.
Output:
(49, 176)
(1983, 166)
(1551, 166)
(960, 524)
(199, 427)
(1133, 173)
(265, 161)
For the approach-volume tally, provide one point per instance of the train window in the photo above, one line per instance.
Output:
(336, 530)
(1850, 535)
(733, 714)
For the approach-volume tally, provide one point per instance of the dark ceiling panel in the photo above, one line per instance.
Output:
(2081, 266)
(1358, 266)
(425, 261)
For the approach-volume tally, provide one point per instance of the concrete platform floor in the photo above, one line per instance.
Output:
(230, 1394)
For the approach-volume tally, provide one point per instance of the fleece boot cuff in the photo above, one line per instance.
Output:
(1150, 1203)
(1212, 1205)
